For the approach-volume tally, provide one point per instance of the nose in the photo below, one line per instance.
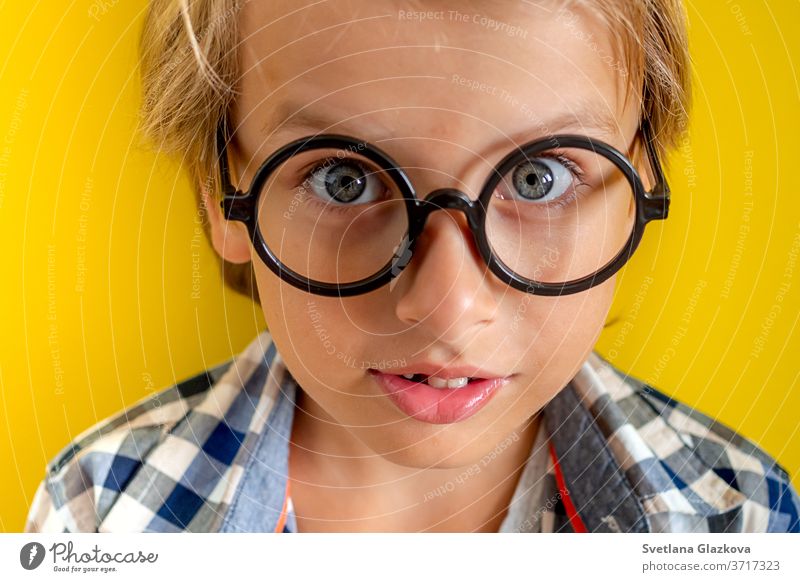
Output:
(446, 287)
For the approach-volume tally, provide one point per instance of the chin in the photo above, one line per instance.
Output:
(415, 449)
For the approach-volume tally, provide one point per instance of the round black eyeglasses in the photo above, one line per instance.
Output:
(336, 216)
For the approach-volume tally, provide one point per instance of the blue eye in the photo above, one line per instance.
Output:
(543, 179)
(344, 182)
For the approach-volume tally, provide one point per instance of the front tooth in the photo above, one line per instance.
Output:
(449, 383)
(457, 382)
(408, 376)
(436, 382)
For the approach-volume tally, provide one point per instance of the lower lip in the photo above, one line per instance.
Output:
(438, 405)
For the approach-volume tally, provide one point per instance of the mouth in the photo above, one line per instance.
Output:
(435, 399)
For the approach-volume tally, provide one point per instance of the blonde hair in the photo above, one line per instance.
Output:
(189, 67)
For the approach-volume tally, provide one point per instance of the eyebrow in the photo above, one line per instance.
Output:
(582, 118)
(292, 119)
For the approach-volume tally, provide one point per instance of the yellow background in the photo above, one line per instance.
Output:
(101, 247)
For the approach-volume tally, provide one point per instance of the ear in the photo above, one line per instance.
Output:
(229, 237)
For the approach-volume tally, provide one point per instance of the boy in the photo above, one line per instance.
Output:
(402, 385)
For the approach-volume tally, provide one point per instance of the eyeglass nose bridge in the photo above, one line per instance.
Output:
(448, 199)
(440, 199)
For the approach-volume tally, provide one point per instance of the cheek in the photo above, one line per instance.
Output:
(313, 335)
(553, 336)
(300, 328)
(531, 316)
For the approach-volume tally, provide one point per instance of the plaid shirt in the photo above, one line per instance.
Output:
(210, 454)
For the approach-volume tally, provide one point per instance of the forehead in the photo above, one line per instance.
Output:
(500, 72)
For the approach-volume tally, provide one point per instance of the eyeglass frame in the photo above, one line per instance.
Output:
(242, 206)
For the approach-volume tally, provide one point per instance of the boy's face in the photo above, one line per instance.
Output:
(381, 73)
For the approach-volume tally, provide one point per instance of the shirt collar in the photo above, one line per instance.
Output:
(602, 495)
(260, 495)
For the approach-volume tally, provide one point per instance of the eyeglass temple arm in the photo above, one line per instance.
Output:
(658, 197)
(236, 205)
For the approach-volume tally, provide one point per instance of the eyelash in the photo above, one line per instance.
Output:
(321, 163)
(568, 162)
(576, 172)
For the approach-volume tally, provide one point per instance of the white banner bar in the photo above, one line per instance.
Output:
(402, 557)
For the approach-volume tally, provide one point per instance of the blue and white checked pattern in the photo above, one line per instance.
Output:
(210, 454)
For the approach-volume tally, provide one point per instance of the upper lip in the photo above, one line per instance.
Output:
(444, 371)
